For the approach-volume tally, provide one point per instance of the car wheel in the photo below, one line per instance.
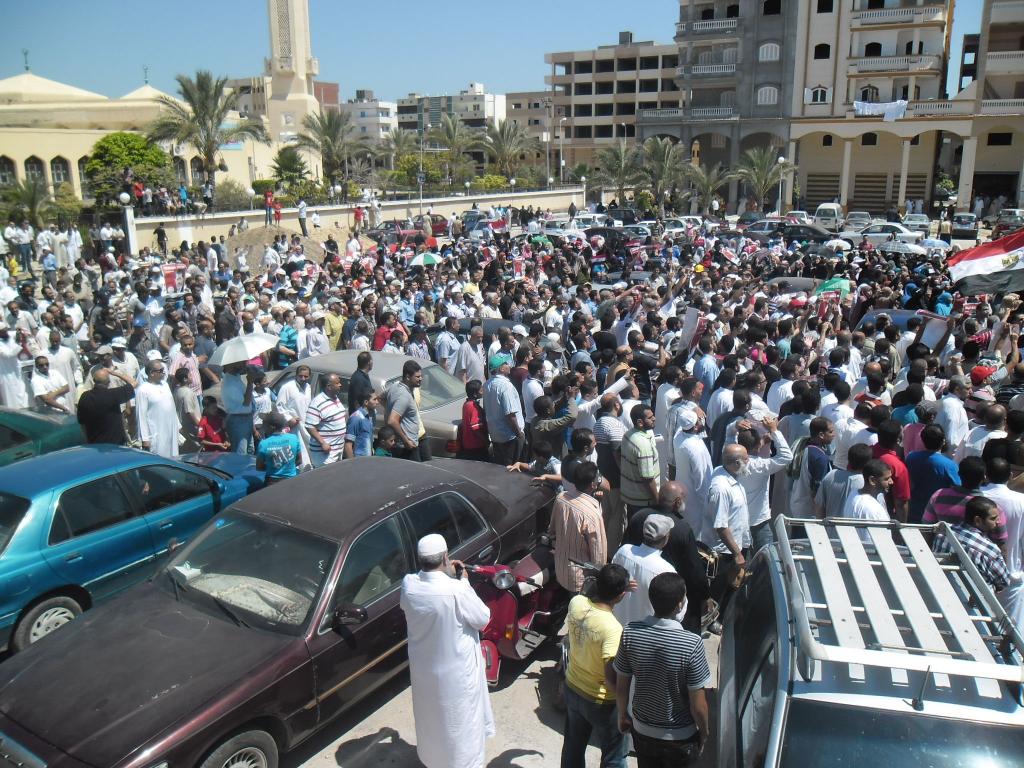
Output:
(42, 619)
(251, 749)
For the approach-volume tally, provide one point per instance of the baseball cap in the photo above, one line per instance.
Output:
(120, 342)
(497, 361)
(518, 330)
(657, 527)
(981, 372)
(104, 350)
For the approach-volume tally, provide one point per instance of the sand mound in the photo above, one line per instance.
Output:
(256, 239)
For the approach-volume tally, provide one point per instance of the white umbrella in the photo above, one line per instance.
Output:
(241, 349)
(898, 246)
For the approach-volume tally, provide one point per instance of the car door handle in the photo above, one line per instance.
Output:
(165, 525)
(74, 557)
(484, 554)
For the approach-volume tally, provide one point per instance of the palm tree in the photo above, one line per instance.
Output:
(396, 144)
(705, 182)
(579, 171)
(506, 142)
(289, 166)
(201, 118)
(455, 136)
(663, 167)
(761, 171)
(619, 166)
(332, 135)
(26, 199)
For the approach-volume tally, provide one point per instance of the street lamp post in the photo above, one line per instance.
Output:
(780, 161)
(420, 177)
(561, 153)
(583, 181)
(252, 194)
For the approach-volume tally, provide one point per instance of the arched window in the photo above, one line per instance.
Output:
(768, 52)
(772, 7)
(869, 140)
(822, 51)
(34, 169)
(196, 166)
(819, 95)
(180, 171)
(873, 49)
(8, 174)
(905, 92)
(82, 178)
(767, 95)
(869, 93)
(60, 171)
(826, 140)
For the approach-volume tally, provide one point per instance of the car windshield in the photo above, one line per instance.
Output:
(856, 736)
(915, 217)
(12, 511)
(964, 218)
(439, 387)
(253, 572)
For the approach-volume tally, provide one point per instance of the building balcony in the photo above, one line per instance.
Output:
(1007, 12)
(710, 70)
(925, 63)
(1002, 106)
(663, 115)
(713, 113)
(708, 28)
(909, 15)
(940, 107)
(1004, 63)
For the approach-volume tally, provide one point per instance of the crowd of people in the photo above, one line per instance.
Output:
(675, 394)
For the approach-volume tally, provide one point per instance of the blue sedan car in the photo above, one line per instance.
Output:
(80, 525)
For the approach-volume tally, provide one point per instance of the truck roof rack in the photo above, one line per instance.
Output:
(894, 606)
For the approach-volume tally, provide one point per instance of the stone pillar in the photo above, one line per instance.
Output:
(787, 196)
(844, 177)
(734, 159)
(1020, 185)
(901, 198)
(963, 194)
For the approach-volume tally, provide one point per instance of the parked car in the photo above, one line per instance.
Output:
(280, 615)
(626, 216)
(965, 225)
(747, 218)
(438, 223)
(809, 233)
(857, 220)
(765, 225)
(898, 317)
(635, 231)
(1005, 225)
(26, 432)
(441, 394)
(845, 647)
(561, 228)
(588, 220)
(83, 524)
(877, 234)
(918, 222)
(829, 216)
(800, 217)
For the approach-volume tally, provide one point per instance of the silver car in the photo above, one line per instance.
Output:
(919, 222)
(441, 395)
(877, 234)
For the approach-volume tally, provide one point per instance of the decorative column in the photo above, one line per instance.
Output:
(904, 167)
(844, 178)
(970, 153)
(787, 195)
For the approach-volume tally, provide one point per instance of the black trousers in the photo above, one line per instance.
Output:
(420, 453)
(507, 453)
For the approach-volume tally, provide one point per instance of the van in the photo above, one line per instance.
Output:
(850, 642)
(829, 216)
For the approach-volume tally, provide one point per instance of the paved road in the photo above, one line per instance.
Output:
(381, 733)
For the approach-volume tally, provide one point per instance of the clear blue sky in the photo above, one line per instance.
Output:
(390, 46)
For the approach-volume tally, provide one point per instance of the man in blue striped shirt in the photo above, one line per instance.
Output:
(668, 669)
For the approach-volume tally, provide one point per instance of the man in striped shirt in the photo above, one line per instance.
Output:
(639, 462)
(667, 668)
(326, 422)
(578, 529)
(948, 504)
(981, 516)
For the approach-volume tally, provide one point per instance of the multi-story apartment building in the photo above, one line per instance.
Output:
(372, 117)
(735, 65)
(871, 123)
(534, 110)
(597, 94)
(473, 106)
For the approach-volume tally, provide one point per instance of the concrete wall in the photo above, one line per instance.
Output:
(338, 218)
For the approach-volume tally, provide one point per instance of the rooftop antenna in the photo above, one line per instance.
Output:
(24, 53)
(145, 73)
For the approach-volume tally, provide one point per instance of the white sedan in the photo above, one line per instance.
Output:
(877, 234)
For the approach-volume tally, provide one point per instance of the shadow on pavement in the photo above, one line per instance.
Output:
(507, 758)
(383, 748)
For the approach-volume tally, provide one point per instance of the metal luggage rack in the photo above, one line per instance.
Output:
(915, 612)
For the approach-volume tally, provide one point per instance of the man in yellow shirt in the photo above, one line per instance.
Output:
(593, 636)
(334, 323)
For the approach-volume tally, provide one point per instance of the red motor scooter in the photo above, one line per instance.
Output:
(527, 607)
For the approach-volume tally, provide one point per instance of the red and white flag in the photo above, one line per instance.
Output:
(995, 267)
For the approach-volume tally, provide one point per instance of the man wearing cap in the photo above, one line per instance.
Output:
(99, 408)
(444, 617)
(334, 323)
(156, 412)
(643, 562)
(317, 342)
(505, 422)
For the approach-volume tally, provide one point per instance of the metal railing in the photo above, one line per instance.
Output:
(712, 69)
(895, 63)
(663, 113)
(712, 113)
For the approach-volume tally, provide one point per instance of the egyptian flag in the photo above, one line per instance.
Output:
(995, 267)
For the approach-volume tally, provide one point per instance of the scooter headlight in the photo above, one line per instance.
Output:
(503, 579)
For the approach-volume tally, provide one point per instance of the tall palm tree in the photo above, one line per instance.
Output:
(201, 118)
(396, 144)
(663, 167)
(706, 182)
(455, 136)
(761, 171)
(289, 166)
(506, 142)
(578, 172)
(619, 166)
(333, 136)
(28, 199)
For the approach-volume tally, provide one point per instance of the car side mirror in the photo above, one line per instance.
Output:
(346, 615)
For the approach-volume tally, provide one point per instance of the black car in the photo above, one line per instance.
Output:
(625, 215)
(614, 238)
(810, 233)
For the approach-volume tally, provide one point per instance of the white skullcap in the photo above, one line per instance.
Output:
(686, 420)
(432, 544)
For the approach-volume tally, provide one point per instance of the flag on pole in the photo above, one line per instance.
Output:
(995, 267)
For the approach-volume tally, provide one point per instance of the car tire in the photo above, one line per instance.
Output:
(250, 749)
(42, 619)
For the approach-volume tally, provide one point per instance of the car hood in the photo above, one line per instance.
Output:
(238, 465)
(117, 676)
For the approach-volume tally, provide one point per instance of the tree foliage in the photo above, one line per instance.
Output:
(26, 199)
(115, 152)
(759, 168)
(409, 167)
(289, 167)
(333, 136)
(619, 166)
(506, 143)
(66, 206)
(706, 182)
(397, 144)
(663, 167)
(232, 196)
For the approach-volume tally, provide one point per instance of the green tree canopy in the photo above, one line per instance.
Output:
(663, 167)
(289, 166)
(506, 143)
(333, 136)
(619, 166)
(117, 151)
(761, 171)
(706, 182)
(26, 199)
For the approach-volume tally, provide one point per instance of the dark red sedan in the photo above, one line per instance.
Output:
(282, 613)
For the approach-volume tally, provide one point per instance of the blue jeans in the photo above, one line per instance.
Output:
(25, 256)
(761, 535)
(239, 428)
(583, 718)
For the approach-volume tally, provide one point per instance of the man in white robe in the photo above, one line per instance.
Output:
(449, 690)
(12, 386)
(50, 390)
(67, 364)
(156, 413)
(292, 401)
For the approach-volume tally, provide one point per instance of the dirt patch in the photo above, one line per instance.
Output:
(256, 239)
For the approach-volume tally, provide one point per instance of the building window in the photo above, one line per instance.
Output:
(824, 6)
(822, 51)
(732, 11)
(82, 178)
(180, 171)
(873, 49)
(826, 140)
(34, 169)
(869, 140)
(60, 171)
(819, 95)
(869, 93)
(1000, 139)
(196, 167)
(772, 7)
(767, 95)
(915, 140)
(707, 14)
(768, 52)
(7, 173)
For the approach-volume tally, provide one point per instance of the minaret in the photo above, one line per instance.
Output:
(291, 68)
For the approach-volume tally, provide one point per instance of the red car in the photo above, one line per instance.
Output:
(1005, 226)
(438, 224)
